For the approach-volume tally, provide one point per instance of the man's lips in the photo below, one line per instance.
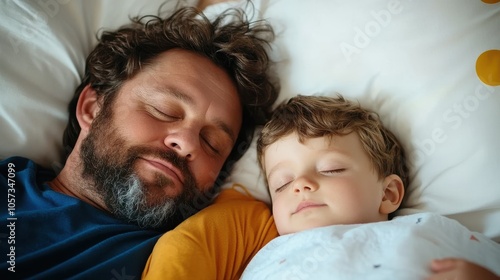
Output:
(166, 167)
(307, 205)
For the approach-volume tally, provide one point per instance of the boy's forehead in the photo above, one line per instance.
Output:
(329, 136)
(340, 143)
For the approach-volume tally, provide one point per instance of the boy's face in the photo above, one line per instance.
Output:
(324, 181)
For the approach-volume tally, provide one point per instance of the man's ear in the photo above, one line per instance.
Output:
(393, 194)
(87, 108)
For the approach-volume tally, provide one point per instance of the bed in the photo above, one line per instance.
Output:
(430, 69)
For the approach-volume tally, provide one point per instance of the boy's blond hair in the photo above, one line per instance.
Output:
(318, 116)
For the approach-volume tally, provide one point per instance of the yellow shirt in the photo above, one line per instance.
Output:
(216, 243)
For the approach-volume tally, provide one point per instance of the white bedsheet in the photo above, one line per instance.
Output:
(399, 249)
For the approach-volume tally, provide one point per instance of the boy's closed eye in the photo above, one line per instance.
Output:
(283, 187)
(278, 181)
(333, 171)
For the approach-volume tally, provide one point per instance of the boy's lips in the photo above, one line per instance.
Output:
(307, 204)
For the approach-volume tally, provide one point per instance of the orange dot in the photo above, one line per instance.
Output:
(488, 67)
(490, 1)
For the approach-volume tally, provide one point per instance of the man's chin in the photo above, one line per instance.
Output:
(158, 185)
(160, 194)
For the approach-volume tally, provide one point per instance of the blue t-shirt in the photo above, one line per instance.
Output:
(49, 235)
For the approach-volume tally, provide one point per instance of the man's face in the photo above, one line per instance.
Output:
(165, 139)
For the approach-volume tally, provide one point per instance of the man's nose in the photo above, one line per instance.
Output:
(184, 141)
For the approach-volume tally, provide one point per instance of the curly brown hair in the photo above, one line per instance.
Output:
(230, 40)
(318, 116)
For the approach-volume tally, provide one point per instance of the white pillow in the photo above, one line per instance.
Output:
(413, 62)
(44, 46)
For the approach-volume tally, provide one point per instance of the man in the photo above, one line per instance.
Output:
(165, 105)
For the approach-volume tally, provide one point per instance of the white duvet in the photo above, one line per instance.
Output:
(398, 249)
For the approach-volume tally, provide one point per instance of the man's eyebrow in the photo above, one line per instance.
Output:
(177, 94)
(189, 100)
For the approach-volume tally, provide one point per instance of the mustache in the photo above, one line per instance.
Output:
(179, 162)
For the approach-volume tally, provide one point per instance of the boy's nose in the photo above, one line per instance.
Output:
(304, 184)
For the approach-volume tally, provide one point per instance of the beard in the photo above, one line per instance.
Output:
(108, 163)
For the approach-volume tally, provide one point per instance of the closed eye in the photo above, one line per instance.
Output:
(282, 188)
(155, 112)
(210, 145)
(333, 171)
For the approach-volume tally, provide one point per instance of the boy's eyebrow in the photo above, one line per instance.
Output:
(341, 154)
(271, 171)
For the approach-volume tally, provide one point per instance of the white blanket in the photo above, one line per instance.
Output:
(398, 249)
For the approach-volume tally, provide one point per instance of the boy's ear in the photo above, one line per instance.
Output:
(393, 194)
(87, 108)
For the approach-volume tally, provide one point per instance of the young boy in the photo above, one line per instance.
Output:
(328, 161)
